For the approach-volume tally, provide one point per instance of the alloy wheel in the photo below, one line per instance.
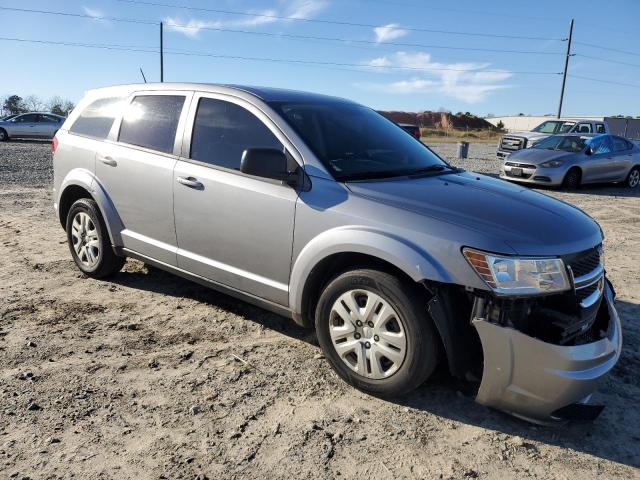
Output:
(367, 334)
(634, 178)
(86, 241)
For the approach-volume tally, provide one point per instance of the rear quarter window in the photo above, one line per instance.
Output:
(97, 118)
(151, 121)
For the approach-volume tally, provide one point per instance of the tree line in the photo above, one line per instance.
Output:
(15, 104)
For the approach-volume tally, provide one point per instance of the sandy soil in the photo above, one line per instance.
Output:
(150, 376)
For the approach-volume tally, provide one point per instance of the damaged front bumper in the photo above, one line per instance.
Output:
(536, 380)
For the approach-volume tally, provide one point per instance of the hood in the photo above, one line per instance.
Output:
(536, 156)
(527, 221)
(531, 136)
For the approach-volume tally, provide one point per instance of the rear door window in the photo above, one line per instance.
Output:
(584, 128)
(151, 121)
(97, 118)
(600, 128)
(620, 144)
(222, 131)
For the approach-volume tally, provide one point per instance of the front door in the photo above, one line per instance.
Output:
(136, 172)
(232, 228)
(597, 166)
(25, 125)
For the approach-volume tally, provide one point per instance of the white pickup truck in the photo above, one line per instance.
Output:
(512, 142)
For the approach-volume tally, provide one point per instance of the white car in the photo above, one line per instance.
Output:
(31, 125)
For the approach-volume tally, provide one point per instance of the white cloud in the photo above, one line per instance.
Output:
(469, 82)
(294, 9)
(389, 32)
(94, 13)
(305, 8)
(189, 28)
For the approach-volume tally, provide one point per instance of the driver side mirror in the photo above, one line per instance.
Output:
(588, 151)
(268, 163)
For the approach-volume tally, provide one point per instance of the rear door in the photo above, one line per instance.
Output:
(136, 170)
(622, 158)
(232, 228)
(48, 125)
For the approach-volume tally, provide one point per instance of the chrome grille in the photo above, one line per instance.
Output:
(512, 143)
(520, 165)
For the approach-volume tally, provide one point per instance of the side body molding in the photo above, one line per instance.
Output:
(84, 178)
(408, 257)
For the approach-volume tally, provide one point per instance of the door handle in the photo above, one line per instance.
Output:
(190, 182)
(108, 161)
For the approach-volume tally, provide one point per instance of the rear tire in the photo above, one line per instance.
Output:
(633, 179)
(4, 136)
(89, 241)
(356, 336)
(572, 179)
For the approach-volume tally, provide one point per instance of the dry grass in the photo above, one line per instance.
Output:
(458, 135)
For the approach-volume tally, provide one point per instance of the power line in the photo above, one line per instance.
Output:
(600, 59)
(267, 59)
(593, 45)
(280, 35)
(333, 22)
(600, 80)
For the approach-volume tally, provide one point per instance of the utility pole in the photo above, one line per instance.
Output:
(566, 66)
(162, 55)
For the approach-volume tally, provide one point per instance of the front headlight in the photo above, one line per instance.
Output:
(519, 276)
(552, 164)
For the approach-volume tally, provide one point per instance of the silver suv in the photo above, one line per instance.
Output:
(323, 211)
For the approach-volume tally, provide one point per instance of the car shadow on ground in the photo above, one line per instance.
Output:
(30, 141)
(611, 436)
(158, 281)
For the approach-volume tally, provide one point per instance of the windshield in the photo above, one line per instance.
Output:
(356, 143)
(551, 126)
(571, 143)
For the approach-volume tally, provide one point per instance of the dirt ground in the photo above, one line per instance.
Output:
(150, 376)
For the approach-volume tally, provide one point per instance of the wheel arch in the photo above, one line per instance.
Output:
(340, 249)
(81, 183)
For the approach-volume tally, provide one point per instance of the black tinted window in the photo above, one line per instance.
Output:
(620, 144)
(96, 119)
(223, 130)
(151, 121)
(49, 118)
(28, 118)
(354, 142)
(600, 128)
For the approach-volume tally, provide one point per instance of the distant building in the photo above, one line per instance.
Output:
(527, 122)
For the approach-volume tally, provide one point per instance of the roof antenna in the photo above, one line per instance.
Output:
(143, 77)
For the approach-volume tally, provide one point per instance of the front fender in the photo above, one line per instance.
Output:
(408, 257)
(84, 178)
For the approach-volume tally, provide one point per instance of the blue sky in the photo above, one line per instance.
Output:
(412, 77)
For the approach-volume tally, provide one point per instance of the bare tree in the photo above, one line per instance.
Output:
(33, 103)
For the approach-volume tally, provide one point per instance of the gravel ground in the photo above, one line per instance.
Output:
(150, 376)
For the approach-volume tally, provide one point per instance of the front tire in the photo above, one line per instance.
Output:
(375, 331)
(633, 179)
(572, 179)
(89, 241)
(4, 136)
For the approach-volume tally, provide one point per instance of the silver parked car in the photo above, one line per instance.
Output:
(31, 125)
(572, 160)
(323, 211)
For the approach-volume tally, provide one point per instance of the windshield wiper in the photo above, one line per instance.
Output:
(366, 175)
(433, 169)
